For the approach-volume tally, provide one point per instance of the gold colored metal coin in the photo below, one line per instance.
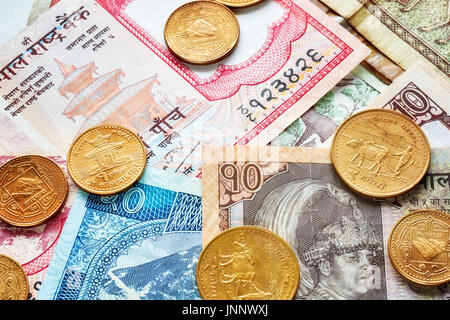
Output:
(201, 32)
(13, 280)
(106, 159)
(247, 263)
(239, 3)
(380, 153)
(32, 190)
(419, 247)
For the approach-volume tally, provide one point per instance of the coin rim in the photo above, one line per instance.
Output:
(241, 5)
(244, 227)
(397, 266)
(373, 194)
(27, 286)
(51, 215)
(108, 192)
(203, 62)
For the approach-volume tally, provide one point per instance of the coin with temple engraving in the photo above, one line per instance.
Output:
(247, 263)
(106, 159)
(419, 247)
(32, 189)
(380, 153)
(201, 32)
(239, 3)
(13, 280)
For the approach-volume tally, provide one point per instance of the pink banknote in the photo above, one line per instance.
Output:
(84, 62)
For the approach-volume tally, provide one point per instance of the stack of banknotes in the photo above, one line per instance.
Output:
(243, 141)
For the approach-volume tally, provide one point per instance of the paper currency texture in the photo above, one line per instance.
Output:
(143, 243)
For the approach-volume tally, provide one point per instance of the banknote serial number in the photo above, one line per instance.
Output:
(291, 76)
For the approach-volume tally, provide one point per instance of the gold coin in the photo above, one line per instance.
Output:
(13, 280)
(106, 159)
(32, 190)
(239, 3)
(380, 153)
(247, 263)
(419, 247)
(201, 32)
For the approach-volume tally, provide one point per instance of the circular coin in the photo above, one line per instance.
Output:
(419, 247)
(201, 32)
(239, 3)
(13, 280)
(380, 153)
(106, 159)
(32, 190)
(247, 263)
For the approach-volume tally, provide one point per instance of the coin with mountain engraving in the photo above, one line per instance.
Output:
(106, 159)
(419, 247)
(247, 263)
(201, 32)
(13, 280)
(380, 153)
(239, 3)
(32, 189)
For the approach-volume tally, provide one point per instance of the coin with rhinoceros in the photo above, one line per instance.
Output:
(380, 153)
(106, 159)
(201, 32)
(419, 247)
(247, 263)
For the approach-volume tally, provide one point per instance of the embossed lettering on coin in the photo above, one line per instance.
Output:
(380, 153)
(32, 190)
(201, 32)
(247, 263)
(106, 159)
(419, 247)
(13, 280)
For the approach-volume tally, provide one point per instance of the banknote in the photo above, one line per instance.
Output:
(376, 61)
(423, 95)
(68, 72)
(39, 7)
(143, 243)
(339, 237)
(404, 30)
(33, 247)
(316, 126)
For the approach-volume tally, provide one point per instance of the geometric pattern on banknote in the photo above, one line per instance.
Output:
(141, 202)
(113, 227)
(428, 39)
(337, 235)
(416, 104)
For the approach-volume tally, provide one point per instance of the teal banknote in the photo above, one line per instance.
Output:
(143, 243)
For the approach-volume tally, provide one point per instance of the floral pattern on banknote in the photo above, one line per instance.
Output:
(318, 124)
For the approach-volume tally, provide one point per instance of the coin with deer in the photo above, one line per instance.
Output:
(419, 247)
(201, 32)
(380, 153)
(247, 263)
(106, 159)
(32, 189)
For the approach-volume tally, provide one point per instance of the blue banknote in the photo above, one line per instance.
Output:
(143, 243)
